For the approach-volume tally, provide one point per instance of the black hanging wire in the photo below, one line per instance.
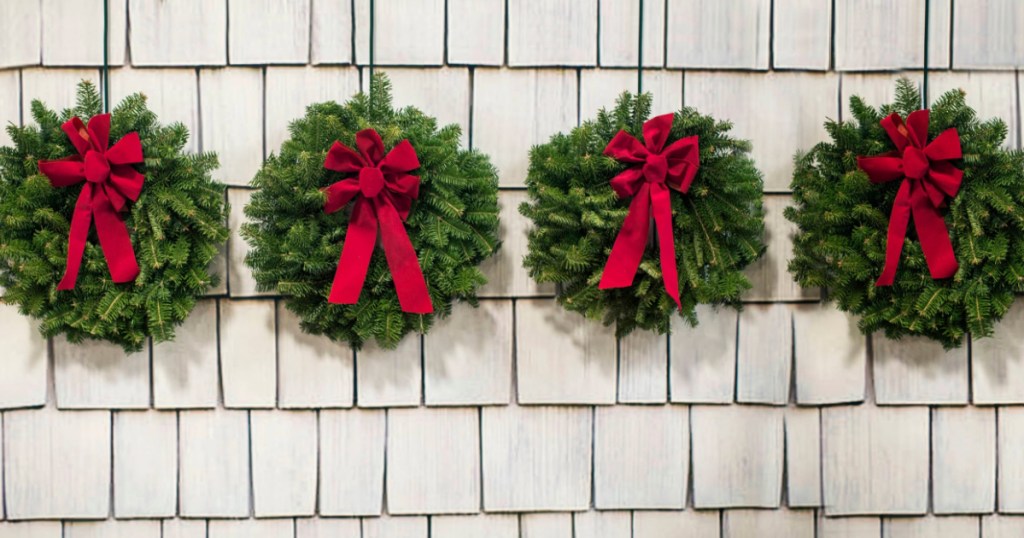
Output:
(927, 42)
(106, 56)
(373, 12)
(640, 52)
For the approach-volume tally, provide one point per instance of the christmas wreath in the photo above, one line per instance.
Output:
(108, 228)
(594, 192)
(957, 269)
(351, 174)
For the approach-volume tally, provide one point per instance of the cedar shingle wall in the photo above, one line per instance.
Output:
(516, 420)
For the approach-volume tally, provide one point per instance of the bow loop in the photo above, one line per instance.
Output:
(928, 179)
(110, 181)
(653, 167)
(382, 193)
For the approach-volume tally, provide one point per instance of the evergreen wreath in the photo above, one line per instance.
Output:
(176, 226)
(717, 225)
(453, 224)
(842, 220)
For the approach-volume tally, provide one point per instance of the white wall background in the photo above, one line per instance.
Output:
(517, 420)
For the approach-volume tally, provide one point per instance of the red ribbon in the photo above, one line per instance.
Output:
(928, 178)
(654, 170)
(110, 181)
(383, 191)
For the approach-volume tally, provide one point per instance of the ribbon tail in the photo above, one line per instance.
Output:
(934, 237)
(662, 206)
(354, 262)
(410, 285)
(898, 221)
(80, 222)
(114, 240)
(629, 245)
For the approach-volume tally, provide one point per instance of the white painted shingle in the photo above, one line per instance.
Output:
(252, 528)
(351, 462)
(800, 104)
(172, 94)
(442, 93)
(546, 526)
(996, 526)
(643, 368)
(331, 32)
(214, 463)
(554, 345)
(179, 32)
(408, 32)
(931, 527)
(99, 375)
(515, 109)
(757, 523)
(390, 377)
(10, 101)
(803, 457)
(997, 362)
(641, 457)
(703, 358)
(56, 88)
(918, 371)
(327, 528)
(112, 529)
(594, 524)
(476, 32)
(145, 464)
(620, 25)
(24, 356)
(802, 34)
(992, 95)
(719, 35)
(268, 32)
(986, 34)
(599, 88)
(849, 527)
(963, 460)
(239, 275)
(830, 355)
(185, 370)
(1011, 459)
(395, 527)
(467, 357)
(284, 460)
(291, 89)
(675, 524)
(489, 525)
(765, 357)
(72, 32)
(433, 461)
(770, 275)
(875, 460)
(875, 36)
(536, 458)
(185, 528)
(57, 464)
(737, 456)
(30, 529)
(552, 32)
(232, 120)
(505, 273)
(20, 33)
(313, 371)
(248, 353)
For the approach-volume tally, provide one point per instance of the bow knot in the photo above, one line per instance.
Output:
(654, 168)
(110, 182)
(929, 178)
(382, 192)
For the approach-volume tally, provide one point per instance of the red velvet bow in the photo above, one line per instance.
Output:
(654, 170)
(928, 178)
(110, 181)
(383, 193)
